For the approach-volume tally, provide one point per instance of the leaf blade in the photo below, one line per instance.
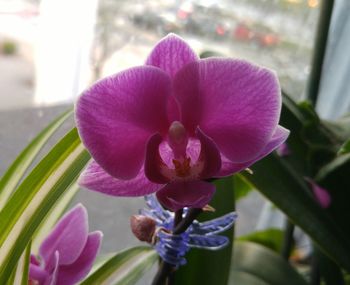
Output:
(263, 264)
(288, 191)
(34, 198)
(123, 268)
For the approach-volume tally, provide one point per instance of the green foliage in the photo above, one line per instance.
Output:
(289, 192)
(314, 148)
(123, 268)
(33, 199)
(329, 271)
(335, 178)
(270, 238)
(255, 264)
(241, 186)
(345, 148)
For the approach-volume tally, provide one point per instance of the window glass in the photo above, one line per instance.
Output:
(278, 34)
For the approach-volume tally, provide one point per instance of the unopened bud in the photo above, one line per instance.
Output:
(143, 227)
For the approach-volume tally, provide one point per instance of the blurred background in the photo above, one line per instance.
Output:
(51, 50)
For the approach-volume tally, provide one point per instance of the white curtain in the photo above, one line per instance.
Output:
(63, 49)
(334, 95)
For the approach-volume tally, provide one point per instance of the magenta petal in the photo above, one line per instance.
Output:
(117, 115)
(71, 274)
(154, 162)
(37, 273)
(68, 237)
(321, 195)
(96, 179)
(194, 194)
(34, 260)
(53, 270)
(279, 137)
(171, 54)
(209, 155)
(235, 103)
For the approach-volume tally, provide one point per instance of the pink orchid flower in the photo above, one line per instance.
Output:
(177, 121)
(67, 254)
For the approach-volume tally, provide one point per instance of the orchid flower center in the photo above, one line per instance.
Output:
(183, 169)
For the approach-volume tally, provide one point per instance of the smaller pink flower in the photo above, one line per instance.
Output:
(67, 254)
(321, 195)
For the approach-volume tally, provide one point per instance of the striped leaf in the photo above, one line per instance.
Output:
(22, 269)
(34, 198)
(124, 268)
(53, 216)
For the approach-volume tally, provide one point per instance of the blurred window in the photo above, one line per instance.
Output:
(278, 34)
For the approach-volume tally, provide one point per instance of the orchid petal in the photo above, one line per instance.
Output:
(228, 168)
(171, 54)
(53, 271)
(194, 194)
(96, 179)
(68, 237)
(235, 103)
(117, 115)
(34, 260)
(209, 155)
(71, 274)
(154, 162)
(37, 273)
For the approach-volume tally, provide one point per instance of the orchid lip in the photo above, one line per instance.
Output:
(183, 170)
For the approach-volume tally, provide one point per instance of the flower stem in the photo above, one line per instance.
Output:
(178, 217)
(180, 225)
(177, 221)
(315, 278)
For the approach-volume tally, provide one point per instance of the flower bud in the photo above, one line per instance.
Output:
(143, 227)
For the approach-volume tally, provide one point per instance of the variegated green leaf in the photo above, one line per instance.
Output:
(34, 198)
(124, 268)
(22, 269)
(53, 216)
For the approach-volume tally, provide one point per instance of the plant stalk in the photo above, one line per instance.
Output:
(165, 269)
